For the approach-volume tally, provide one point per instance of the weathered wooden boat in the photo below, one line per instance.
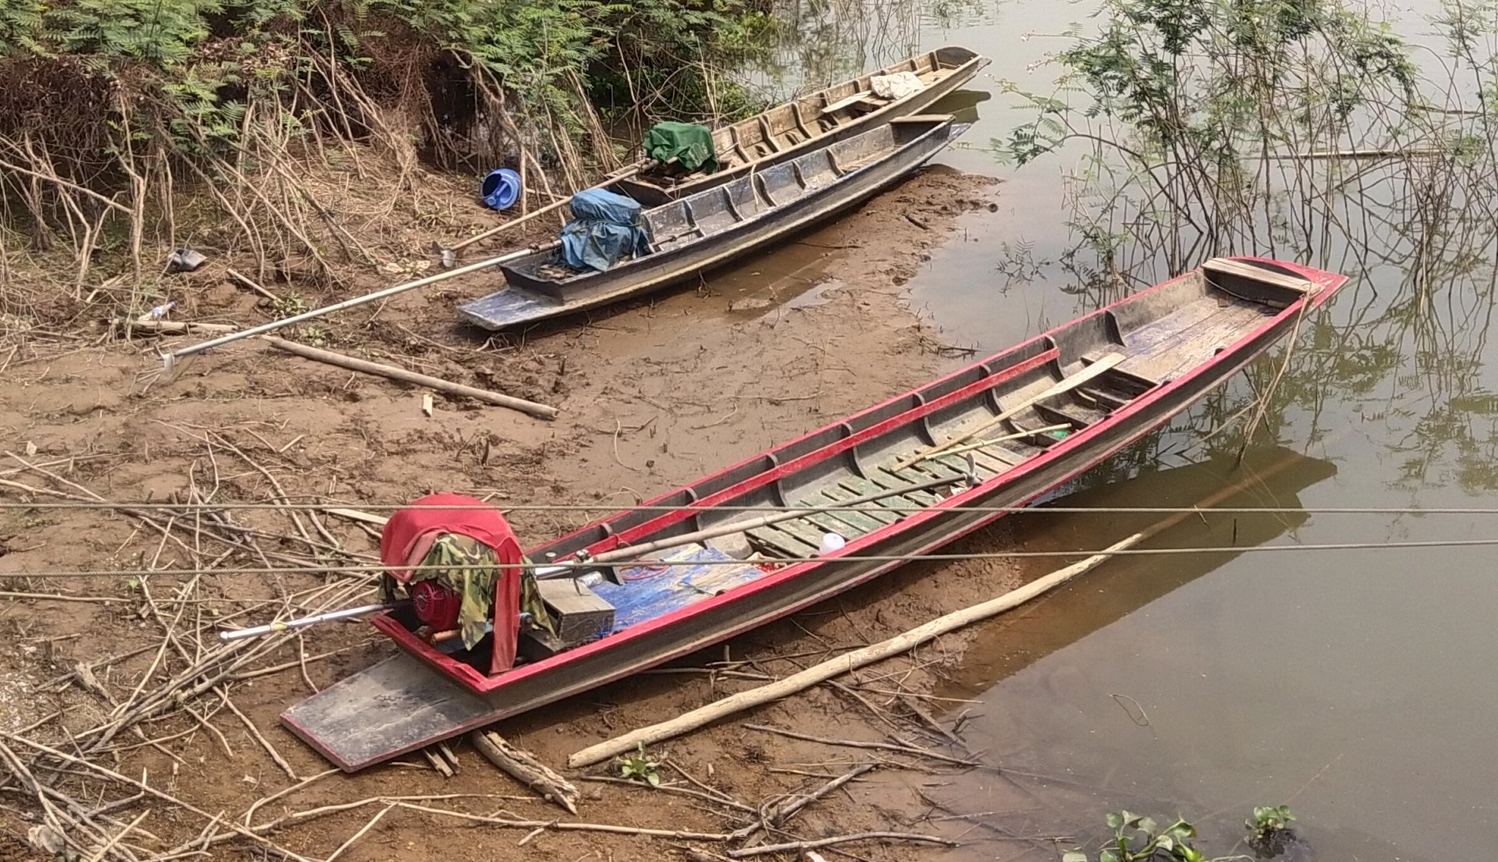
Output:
(716, 226)
(815, 120)
(896, 480)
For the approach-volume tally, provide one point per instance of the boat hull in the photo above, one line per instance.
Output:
(965, 66)
(424, 695)
(529, 299)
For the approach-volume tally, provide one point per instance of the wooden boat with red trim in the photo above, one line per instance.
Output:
(692, 567)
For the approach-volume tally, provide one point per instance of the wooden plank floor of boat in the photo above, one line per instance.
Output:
(397, 706)
(1187, 337)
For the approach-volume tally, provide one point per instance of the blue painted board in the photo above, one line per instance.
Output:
(686, 575)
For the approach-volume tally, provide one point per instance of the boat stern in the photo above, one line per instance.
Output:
(509, 308)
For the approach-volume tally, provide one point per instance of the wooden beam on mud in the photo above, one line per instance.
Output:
(534, 408)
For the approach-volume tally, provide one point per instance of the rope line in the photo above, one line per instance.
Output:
(786, 561)
(894, 506)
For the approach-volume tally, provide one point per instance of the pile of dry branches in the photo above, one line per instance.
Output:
(69, 778)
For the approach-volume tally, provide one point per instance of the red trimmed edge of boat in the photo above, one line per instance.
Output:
(1048, 348)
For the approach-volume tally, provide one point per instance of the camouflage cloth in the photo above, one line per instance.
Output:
(469, 568)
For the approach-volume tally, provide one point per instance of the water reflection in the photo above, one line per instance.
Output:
(1269, 477)
(1355, 685)
(1075, 733)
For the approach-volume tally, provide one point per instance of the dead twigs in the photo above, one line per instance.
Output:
(713, 798)
(794, 846)
(525, 768)
(566, 826)
(777, 816)
(141, 785)
(902, 747)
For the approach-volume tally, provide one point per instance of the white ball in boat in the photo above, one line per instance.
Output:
(832, 542)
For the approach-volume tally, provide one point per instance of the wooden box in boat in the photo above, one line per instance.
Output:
(831, 114)
(713, 227)
(1108, 378)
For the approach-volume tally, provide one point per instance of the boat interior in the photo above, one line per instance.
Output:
(796, 122)
(891, 462)
(713, 211)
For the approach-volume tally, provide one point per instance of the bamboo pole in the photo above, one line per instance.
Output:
(534, 408)
(263, 328)
(457, 247)
(286, 625)
(894, 646)
(842, 664)
(176, 327)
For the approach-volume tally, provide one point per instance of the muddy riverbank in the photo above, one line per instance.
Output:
(650, 396)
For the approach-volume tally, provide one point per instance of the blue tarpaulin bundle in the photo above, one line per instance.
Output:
(604, 228)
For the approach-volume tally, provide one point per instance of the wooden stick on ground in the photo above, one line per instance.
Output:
(565, 826)
(99, 854)
(352, 839)
(894, 646)
(671, 788)
(855, 743)
(746, 852)
(525, 768)
(543, 411)
(246, 281)
(357, 515)
(443, 768)
(176, 327)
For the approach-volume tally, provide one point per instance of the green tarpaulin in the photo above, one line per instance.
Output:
(691, 145)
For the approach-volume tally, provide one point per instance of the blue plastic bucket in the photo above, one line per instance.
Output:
(500, 189)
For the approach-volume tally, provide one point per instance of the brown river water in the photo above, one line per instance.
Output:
(1356, 684)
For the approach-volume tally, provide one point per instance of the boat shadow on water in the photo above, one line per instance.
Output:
(1024, 799)
(1271, 478)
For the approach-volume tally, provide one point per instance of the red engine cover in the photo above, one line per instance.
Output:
(406, 540)
(435, 605)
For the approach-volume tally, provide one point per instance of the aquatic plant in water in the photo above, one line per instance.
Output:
(1137, 838)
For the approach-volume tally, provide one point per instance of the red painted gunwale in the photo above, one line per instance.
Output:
(476, 682)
